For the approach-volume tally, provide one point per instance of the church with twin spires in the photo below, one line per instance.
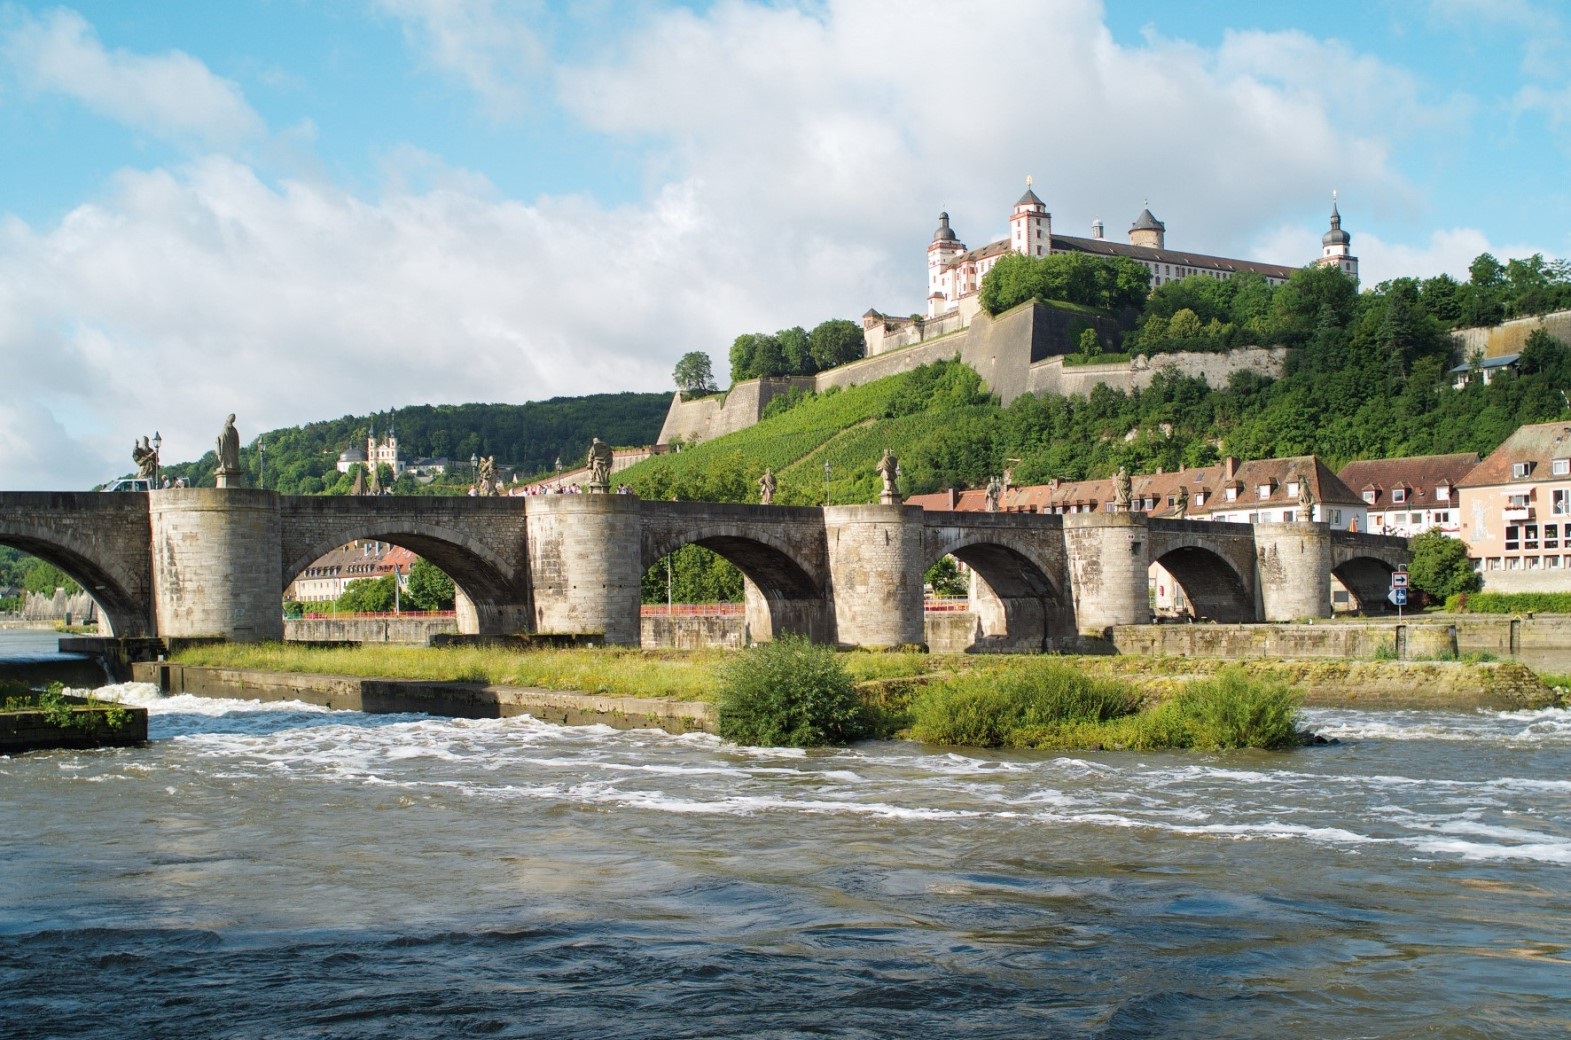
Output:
(954, 273)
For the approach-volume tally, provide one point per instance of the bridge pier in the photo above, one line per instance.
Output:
(215, 556)
(1293, 570)
(1107, 570)
(875, 574)
(584, 553)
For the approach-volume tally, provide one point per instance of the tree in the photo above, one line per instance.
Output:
(1441, 567)
(836, 342)
(694, 374)
(367, 596)
(41, 579)
(1090, 344)
(429, 588)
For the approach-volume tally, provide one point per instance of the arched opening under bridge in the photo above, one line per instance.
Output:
(1017, 607)
(777, 594)
(1196, 583)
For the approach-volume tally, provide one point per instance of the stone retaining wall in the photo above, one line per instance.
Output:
(416, 631)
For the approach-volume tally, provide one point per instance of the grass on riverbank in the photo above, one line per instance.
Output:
(684, 675)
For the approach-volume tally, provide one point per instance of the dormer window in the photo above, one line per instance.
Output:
(1520, 470)
(1264, 490)
(1292, 489)
(1232, 493)
(1369, 496)
(1560, 467)
(1442, 492)
(1399, 494)
(1200, 498)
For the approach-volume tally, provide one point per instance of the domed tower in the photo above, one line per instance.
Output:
(1148, 231)
(944, 248)
(1336, 246)
(1030, 225)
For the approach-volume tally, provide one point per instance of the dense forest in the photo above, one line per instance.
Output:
(302, 460)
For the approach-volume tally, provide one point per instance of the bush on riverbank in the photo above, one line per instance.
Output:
(790, 693)
(1051, 705)
(1510, 603)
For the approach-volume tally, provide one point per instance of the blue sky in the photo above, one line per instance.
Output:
(295, 209)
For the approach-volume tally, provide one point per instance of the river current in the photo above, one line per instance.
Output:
(283, 871)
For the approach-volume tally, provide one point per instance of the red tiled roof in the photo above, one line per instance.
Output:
(1418, 475)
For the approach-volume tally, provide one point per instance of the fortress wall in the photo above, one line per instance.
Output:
(1054, 377)
(1511, 337)
(717, 415)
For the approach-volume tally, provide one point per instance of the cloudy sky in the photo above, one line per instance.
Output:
(298, 209)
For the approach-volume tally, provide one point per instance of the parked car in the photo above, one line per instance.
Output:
(129, 484)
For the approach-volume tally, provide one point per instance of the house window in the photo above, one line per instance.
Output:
(1443, 516)
(1288, 515)
(1399, 494)
(1551, 536)
(1376, 519)
(1551, 562)
(1530, 537)
(1254, 518)
(1532, 563)
(1292, 489)
(1232, 494)
(1415, 518)
(1200, 498)
(1560, 467)
(1369, 497)
(1560, 502)
(1518, 501)
(1520, 470)
(1513, 538)
(1336, 516)
(1443, 493)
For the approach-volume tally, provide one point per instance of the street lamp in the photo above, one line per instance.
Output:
(261, 467)
(158, 444)
(474, 463)
(826, 482)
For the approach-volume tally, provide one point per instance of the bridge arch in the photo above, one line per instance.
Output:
(490, 600)
(1019, 605)
(1367, 579)
(784, 594)
(1212, 585)
(101, 541)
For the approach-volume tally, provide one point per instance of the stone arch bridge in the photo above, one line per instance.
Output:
(201, 562)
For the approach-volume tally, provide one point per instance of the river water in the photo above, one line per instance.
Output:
(283, 871)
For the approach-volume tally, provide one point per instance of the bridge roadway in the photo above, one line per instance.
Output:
(204, 562)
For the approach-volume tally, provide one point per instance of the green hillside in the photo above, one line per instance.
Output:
(531, 437)
(1368, 376)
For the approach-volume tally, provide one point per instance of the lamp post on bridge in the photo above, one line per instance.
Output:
(158, 444)
(261, 465)
(826, 482)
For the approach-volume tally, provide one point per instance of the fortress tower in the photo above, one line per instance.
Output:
(1030, 225)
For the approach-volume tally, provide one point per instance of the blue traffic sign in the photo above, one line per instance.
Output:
(1399, 597)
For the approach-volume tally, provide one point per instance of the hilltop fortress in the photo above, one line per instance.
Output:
(1022, 350)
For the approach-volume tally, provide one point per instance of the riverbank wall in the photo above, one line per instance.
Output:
(446, 699)
(414, 631)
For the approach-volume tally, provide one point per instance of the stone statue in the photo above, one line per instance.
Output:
(486, 477)
(1121, 490)
(1009, 477)
(889, 469)
(146, 459)
(994, 489)
(1182, 508)
(1306, 498)
(228, 472)
(599, 467)
(766, 488)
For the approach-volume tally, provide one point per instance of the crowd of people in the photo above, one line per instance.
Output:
(518, 490)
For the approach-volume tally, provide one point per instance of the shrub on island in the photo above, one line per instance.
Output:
(790, 693)
(1049, 704)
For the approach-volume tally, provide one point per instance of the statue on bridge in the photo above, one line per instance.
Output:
(485, 477)
(228, 472)
(1121, 490)
(1306, 499)
(994, 489)
(599, 467)
(146, 459)
(889, 469)
(766, 488)
(1181, 509)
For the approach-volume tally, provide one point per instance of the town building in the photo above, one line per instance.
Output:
(326, 578)
(955, 273)
(1516, 511)
(382, 452)
(1409, 496)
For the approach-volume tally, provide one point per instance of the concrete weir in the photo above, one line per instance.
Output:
(445, 699)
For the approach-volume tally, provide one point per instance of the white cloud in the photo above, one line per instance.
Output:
(491, 49)
(796, 159)
(172, 96)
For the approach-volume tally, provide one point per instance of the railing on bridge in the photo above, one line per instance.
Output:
(311, 615)
(946, 604)
(693, 610)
